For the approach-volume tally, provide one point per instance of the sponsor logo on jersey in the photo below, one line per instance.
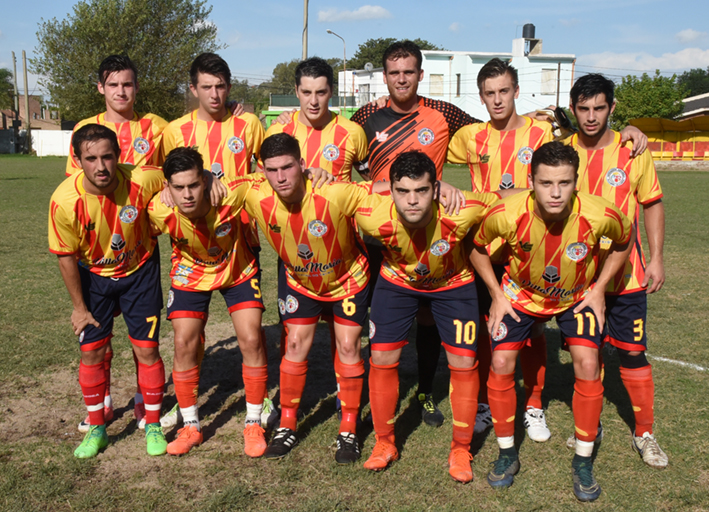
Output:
(426, 136)
(372, 329)
(179, 241)
(422, 269)
(141, 145)
(394, 248)
(128, 214)
(440, 247)
(275, 228)
(317, 228)
(331, 152)
(616, 177)
(170, 298)
(214, 251)
(506, 183)
(117, 242)
(291, 304)
(90, 226)
(235, 145)
(217, 170)
(606, 243)
(484, 158)
(577, 251)
(382, 136)
(510, 289)
(500, 333)
(304, 252)
(223, 230)
(526, 246)
(182, 274)
(282, 306)
(551, 274)
(524, 155)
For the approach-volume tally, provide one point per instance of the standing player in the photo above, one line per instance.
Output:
(607, 170)
(554, 234)
(425, 263)
(209, 254)
(98, 228)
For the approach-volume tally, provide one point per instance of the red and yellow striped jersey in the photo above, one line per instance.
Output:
(138, 139)
(226, 146)
(334, 147)
(426, 259)
(551, 265)
(110, 234)
(626, 182)
(315, 239)
(208, 253)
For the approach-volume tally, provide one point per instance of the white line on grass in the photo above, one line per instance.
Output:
(680, 363)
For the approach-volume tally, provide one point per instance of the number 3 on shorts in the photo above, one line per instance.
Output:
(349, 308)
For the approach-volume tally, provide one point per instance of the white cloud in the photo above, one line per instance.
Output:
(688, 36)
(455, 26)
(569, 23)
(366, 12)
(610, 63)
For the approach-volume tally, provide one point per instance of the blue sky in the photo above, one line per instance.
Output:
(615, 37)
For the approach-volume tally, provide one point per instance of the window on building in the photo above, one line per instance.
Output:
(35, 116)
(549, 81)
(54, 114)
(457, 84)
(436, 88)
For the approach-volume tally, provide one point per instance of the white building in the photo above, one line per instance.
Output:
(544, 79)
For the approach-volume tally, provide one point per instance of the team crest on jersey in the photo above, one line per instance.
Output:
(141, 145)
(81, 337)
(170, 298)
(291, 304)
(214, 251)
(440, 247)
(235, 145)
(616, 177)
(217, 170)
(317, 228)
(422, 269)
(128, 214)
(331, 152)
(304, 252)
(372, 329)
(577, 251)
(282, 306)
(506, 182)
(426, 136)
(524, 155)
(117, 242)
(223, 230)
(501, 332)
(551, 274)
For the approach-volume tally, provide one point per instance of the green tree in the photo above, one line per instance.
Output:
(162, 37)
(372, 50)
(6, 89)
(283, 80)
(656, 96)
(695, 81)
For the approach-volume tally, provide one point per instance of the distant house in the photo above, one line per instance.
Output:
(695, 106)
(41, 117)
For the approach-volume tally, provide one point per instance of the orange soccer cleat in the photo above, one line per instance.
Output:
(383, 453)
(459, 465)
(187, 438)
(254, 440)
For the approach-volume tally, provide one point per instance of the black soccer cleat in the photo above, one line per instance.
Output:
(347, 449)
(430, 414)
(504, 469)
(282, 443)
(585, 486)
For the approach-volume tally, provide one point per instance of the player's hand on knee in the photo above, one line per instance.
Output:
(596, 300)
(498, 309)
(81, 318)
(319, 176)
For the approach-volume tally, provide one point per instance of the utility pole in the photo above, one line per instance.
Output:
(14, 80)
(27, 101)
(305, 29)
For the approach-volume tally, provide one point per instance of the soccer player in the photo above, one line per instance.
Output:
(425, 262)
(209, 254)
(98, 228)
(555, 236)
(607, 170)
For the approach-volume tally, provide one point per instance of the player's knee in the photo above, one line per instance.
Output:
(147, 355)
(587, 368)
(186, 342)
(502, 364)
(632, 359)
(385, 357)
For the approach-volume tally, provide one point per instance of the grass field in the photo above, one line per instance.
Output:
(41, 404)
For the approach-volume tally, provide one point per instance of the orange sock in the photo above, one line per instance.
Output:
(152, 382)
(255, 378)
(107, 369)
(292, 384)
(641, 389)
(464, 387)
(503, 402)
(533, 359)
(350, 380)
(484, 356)
(587, 405)
(383, 396)
(92, 379)
(186, 386)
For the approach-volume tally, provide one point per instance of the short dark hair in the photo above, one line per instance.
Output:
(413, 165)
(494, 68)
(278, 145)
(555, 154)
(401, 50)
(314, 67)
(114, 63)
(180, 160)
(210, 64)
(592, 85)
(93, 133)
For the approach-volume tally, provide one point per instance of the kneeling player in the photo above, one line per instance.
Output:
(209, 253)
(554, 235)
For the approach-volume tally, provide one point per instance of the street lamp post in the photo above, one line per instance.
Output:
(344, 66)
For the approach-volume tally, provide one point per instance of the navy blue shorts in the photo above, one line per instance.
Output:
(195, 304)
(455, 312)
(625, 321)
(138, 296)
(576, 329)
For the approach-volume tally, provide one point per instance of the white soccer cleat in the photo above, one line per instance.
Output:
(483, 419)
(172, 418)
(650, 451)
(536, 425)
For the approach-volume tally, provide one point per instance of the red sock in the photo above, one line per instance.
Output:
(292, 384)
(255, 378)
(464, 387)
(383, 396)
(350, 380)
(484, 356)
(503, 402)
(152, 382)
(641, 389)
(533, 359)
(137, 374)
(107, 369)
(92, 379)
(186, 386)
(587, 405)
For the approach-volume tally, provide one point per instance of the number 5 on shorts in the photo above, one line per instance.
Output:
(255, 286)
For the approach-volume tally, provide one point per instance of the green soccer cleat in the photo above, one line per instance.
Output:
(94, 441)
(155, 439)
